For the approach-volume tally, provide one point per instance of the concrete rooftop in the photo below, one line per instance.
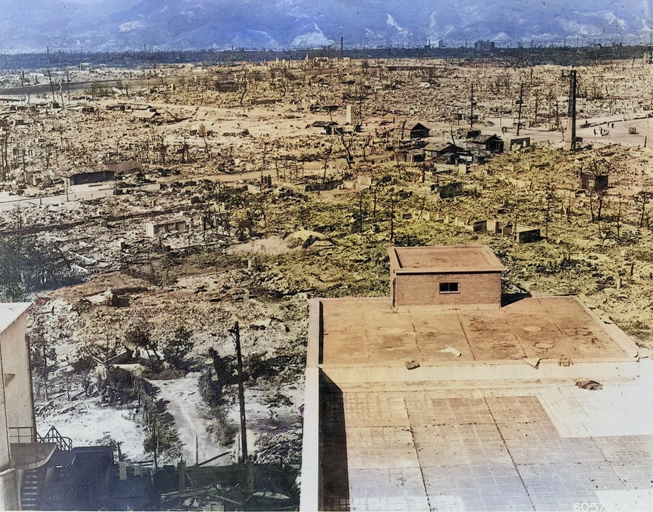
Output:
(470, 258)
(513, 447)
(9, 312)
(503, 426)
(367, 332)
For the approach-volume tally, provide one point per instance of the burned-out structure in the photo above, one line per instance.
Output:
(419, 131)
(326, 126)
(90, 177)
(593, 182)
(153, 229)
(410, 155)
(520, 143)
(122, 167)
(490, 143)
(448, 395)
(442, 151)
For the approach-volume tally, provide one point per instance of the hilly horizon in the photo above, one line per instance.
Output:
(119, 25)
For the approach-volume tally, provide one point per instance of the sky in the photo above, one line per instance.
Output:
(114, 25)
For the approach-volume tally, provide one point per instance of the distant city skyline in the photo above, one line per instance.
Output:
(117, 25)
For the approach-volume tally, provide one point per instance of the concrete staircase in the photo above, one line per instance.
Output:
(31, 489)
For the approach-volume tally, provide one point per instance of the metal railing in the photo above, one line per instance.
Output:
(53, 436)
(29, 435)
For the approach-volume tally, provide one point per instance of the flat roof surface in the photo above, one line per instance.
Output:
(543, 448)
(9, 312)
(365, 332)
(441, 258)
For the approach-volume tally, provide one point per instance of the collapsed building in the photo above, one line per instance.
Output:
(85, 178)
(452, 395)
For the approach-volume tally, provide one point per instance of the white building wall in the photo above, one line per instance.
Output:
(19, 404)
(4, 432)
(9, 494)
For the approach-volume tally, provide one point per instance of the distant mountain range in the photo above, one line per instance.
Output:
(116, 25)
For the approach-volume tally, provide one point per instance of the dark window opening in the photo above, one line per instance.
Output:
(448, 287)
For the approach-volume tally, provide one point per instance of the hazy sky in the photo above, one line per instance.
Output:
(643, 6)
(33, 25)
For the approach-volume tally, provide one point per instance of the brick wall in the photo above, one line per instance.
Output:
(424, 289)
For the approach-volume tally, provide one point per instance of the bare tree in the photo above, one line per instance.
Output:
(618, 217)
(365, 144)
(243, 86)
(376, 185)
(326, 156)
(4, 151)
(185, 151)
(361, 214)
(550, 198)
(598, 200)
(347, 143)
(43, 356)
(141, 336)
(162, 148)
(642, 199)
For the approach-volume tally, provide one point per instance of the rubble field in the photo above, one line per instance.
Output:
(145, 220)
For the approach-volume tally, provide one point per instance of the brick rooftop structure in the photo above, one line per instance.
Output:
(445, 276)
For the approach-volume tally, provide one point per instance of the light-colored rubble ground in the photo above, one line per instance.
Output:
(254, 255)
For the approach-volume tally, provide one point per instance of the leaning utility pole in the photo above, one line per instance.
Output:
(572, 107)
(521, 102)
(241, 392)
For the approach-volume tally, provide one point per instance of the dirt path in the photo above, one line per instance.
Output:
(184, 403)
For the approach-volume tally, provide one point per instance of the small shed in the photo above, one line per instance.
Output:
(452, 276)
(327, 126)
(410, 156)
(489, 143)
(437, 149)
(419, 131)
(593, 182)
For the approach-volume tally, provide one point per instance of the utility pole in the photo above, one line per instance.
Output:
(572, 107)
(241, 392)
(51, 85)
(471, 108)
(63, 105)
(521, 102)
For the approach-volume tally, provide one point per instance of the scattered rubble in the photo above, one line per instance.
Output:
(218, 195)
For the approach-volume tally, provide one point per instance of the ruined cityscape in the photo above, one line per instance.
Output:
(328, 281)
